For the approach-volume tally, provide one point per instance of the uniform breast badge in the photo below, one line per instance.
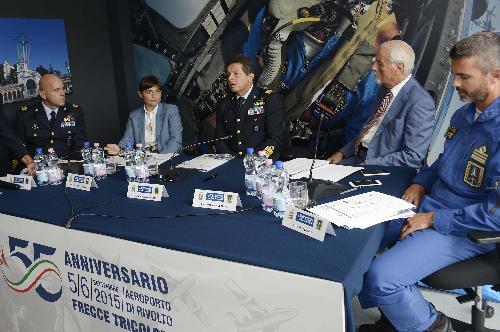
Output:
(450, 132)
(474, 170)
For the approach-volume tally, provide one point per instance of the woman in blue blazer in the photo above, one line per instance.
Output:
(156, 125)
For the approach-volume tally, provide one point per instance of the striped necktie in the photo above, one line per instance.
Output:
(382, 108)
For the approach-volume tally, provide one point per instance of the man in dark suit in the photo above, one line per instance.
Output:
(253, 116)
(399, 132)
(51, 122)
(10, 143)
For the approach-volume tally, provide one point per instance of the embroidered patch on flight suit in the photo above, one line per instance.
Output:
(450, 132)
(268, 150)
(474, 170)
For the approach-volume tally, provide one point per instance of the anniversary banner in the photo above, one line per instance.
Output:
(55, 279)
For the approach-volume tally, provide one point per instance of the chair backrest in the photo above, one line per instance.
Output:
(477, 271)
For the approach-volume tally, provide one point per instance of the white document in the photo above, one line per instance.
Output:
(328, 172)
(299, 165)
(160, 158)
(364, 210)
(206, 162)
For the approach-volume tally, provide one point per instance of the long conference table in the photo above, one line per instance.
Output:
(277, 278)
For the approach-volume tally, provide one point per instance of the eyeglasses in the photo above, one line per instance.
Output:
(152, 92)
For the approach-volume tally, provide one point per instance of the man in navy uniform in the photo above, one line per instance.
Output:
(10, 143)
(455, 195)
(253, 116)
(51, 122)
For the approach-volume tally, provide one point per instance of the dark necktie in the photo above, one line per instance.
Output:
(240, 102)
(52, 120)
(382, 108)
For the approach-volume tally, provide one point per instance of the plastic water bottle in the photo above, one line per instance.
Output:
(88, 167)
(281, 197)
(260, 161)
(129, 155)
(99, 162)
(267, 186)
(54, 172)
(249, 163)
(141, 169)
(42, 178)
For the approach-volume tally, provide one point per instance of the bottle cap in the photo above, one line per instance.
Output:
(39, 150)
(250, 150)
(269, 162)
(86, 144)
(278, 164)
(261, 154)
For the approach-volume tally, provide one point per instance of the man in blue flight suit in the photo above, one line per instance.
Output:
(51, 122)
(9, 141)
(454, 196)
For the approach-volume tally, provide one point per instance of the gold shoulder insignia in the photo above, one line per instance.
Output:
(24, 108)
(75, 106)
(450, 132)
(268, 150)
(268, 91)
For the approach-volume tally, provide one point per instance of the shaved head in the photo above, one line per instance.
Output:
(52, 91)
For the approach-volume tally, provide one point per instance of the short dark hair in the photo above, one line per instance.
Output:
(246, 63)
(485, 46)
(147, 82)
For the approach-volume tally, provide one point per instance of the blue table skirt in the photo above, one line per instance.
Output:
(251, 237)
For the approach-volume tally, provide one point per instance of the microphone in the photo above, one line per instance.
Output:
(8, 185)
(176, 174)
(318, 189)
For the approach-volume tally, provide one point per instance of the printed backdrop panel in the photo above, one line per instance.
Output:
(55, 279)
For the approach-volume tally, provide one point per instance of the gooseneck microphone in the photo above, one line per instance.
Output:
(316, 147)
(175, 174)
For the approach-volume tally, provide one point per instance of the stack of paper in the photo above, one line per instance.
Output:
(364, 210)
(323, 170)
(299, 165)
(206, 162)
(151, 157)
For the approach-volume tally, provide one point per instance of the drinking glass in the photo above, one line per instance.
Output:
(298, 194)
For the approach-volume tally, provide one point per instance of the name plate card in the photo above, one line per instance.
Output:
(307, 223)
(81, 182)
(218, 200)
(146, 191)
(26, 182)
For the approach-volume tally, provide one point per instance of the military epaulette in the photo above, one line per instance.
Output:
(268, 150)
(75, 106)
(24, 108)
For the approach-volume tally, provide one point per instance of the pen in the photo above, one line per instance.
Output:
(348, 191)
(213, 176)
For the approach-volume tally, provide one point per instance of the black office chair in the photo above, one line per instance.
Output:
(470, 275)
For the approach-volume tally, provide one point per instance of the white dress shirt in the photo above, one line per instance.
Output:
(395, 90)
(150, 126)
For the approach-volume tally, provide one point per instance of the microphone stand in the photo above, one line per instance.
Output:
(176, 174)
(318, 189)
